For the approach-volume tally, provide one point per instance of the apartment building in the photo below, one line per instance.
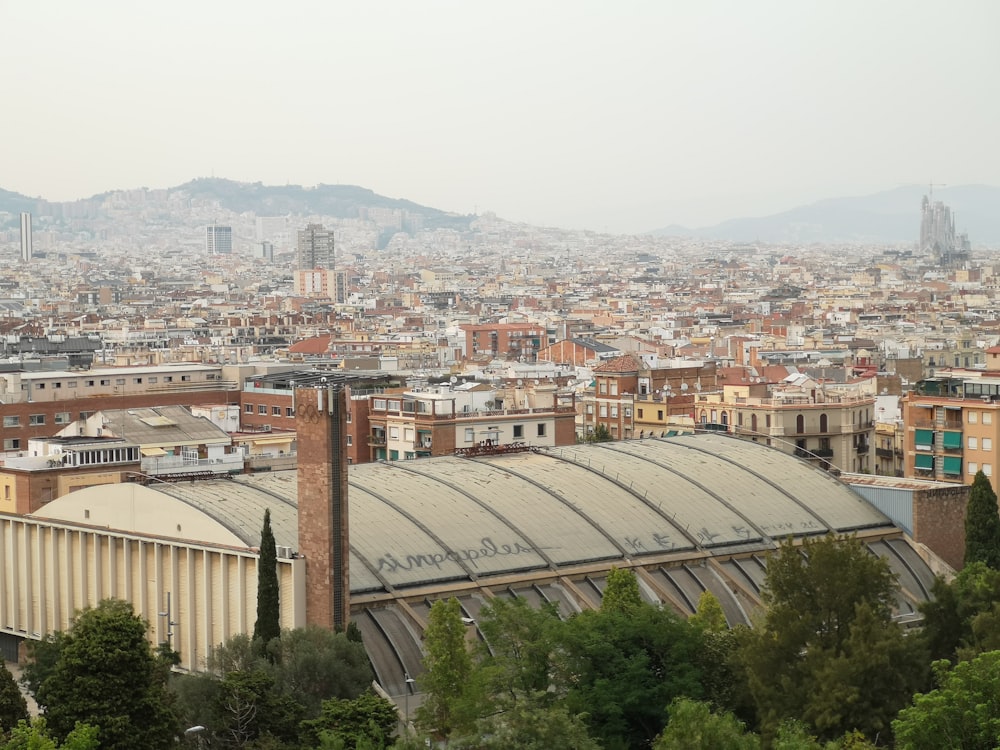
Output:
(953, 424)
(834, 429)
(518, 341)
(437, 421)
(632, 394)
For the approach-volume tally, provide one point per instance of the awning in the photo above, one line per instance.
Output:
(924, 439)
(152, 451)
(952, 440)
(952, 465)
(268, 440)
(924, 461)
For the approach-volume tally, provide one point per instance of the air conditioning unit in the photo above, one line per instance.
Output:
(283, 552)
(265, 428)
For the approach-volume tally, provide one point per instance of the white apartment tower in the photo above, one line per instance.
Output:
(315, 248)
(25, 236)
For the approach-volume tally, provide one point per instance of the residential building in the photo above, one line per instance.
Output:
(218, 240)
(26, 243)
(518, 341)
(315, 248)
(953, 424)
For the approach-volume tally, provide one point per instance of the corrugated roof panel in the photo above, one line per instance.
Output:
(767, 508)
(687, 505)
(839, 507)
(635, 525)
(566, 535)
(466, 532)
(396, 547)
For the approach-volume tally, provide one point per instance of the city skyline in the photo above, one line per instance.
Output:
(573, 115)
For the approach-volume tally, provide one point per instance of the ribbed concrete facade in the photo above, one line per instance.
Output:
(52, 570)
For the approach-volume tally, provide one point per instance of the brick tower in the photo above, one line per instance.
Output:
(321, 421)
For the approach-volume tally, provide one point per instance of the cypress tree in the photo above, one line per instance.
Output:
(982, 524)
(268, 625)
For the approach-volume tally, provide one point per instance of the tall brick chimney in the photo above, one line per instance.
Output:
(321, 423)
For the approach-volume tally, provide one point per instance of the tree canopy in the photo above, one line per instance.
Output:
(982, 524)
(268, 624)
(108, 676)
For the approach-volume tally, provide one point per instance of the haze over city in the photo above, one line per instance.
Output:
(619, 118)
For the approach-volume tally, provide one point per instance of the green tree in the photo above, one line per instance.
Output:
(531, 727)
(43, 656)
(962, 617)
(963, 713)
(621, 594)
(35, 735)
(622, 670)
(13, 707)
(369, 718)
(268, 624)
(252, 710)
(982, 524)
(515, 659)
(708, 615)
(693, 726)
(600, 434)
(815, 654)
(448, 670)
(108, 676)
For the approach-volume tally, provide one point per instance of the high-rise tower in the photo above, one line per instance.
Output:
(315, 248)
(26, 236)
(219, 240)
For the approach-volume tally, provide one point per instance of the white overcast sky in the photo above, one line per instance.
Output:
(615, 115)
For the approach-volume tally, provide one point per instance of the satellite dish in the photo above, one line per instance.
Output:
(520, 382)
(453, 379)
(684, 386)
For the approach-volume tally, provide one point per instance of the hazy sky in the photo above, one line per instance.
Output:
(615, 115)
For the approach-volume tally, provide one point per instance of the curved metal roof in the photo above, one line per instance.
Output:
(434, 520)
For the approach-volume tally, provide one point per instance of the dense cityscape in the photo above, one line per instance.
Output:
(512, 415)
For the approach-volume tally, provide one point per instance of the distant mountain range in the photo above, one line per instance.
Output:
(892, 216)
(337, 201)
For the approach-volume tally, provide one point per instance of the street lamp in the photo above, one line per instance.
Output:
(406, 702)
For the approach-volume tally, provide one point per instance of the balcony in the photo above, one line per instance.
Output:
(377, 440)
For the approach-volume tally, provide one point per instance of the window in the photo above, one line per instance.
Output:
(379, 404)
(185, 378)
(628, 411)
(152, 379)
(614, 387)
(57, 384)
(518, 431)
(168, 378)
(248, 408)
(800, 424)
(639, 413)
(541, 429)
(86, 414)
(470, 434)
(394, 433)
(40, 386)
(408, 434)
(289, 412)
(12, 444)
(973, 467)
(614, 410)
(603, 386)
(973, 417)
(987, 417)
(262, 409)
(988, 469)
(973, 443)
(823, 424)
(62, 417)
(106, 381)
(987, 444)
(603, 411)
(767, 420)
(13, 421)
(119, 381)
(137, 381)
(275, 411)
(36, 419)
(350, 440)
(88, 383)
(659, 415)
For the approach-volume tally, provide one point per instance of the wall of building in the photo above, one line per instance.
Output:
(939, 522)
